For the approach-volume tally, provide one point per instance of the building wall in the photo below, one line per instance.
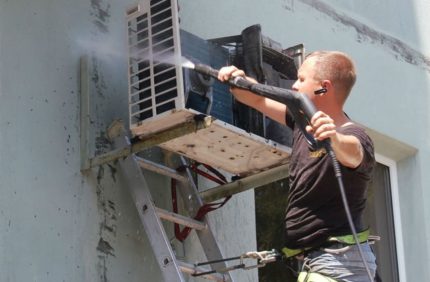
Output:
(389, 42)
(57, 224)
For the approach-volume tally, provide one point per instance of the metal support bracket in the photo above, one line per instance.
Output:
(84, 113)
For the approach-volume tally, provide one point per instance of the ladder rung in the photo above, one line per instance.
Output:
(158, 168)
(191, 269)
(180, 219)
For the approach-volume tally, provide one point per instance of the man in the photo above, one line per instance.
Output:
(315, 217)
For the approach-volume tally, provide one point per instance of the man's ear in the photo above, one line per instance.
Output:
(327, 84)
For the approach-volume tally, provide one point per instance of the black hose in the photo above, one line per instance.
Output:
(338, 176)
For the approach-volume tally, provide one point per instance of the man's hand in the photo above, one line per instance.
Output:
(321, 126)
(268, 107)
(347, 148)
(225, 73)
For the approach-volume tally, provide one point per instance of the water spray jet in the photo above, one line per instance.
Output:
(187, 64)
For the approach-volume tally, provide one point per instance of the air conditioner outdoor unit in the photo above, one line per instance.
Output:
(160, 95)
(155, 77)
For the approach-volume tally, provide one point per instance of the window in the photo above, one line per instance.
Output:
(383, 217)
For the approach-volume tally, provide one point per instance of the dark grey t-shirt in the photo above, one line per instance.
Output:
(315, 210)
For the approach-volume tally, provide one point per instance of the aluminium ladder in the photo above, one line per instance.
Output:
(151, 216)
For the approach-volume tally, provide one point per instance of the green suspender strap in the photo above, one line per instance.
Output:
(346, 239)
(288, 253)
(349, 239)
(313, 277)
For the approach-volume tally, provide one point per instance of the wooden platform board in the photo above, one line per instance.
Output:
(220, 145)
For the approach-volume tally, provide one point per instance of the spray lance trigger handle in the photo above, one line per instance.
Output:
(303, 117)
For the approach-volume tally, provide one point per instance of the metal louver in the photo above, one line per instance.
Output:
(155, 74)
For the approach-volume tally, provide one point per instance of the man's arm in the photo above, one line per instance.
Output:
(347, 148)
(272, 109)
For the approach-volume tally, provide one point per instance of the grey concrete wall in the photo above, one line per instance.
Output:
(57, 224)
(390, 44)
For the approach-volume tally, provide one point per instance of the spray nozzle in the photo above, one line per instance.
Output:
(206, 70)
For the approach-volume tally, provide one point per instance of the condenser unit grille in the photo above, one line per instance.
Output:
(155, 80)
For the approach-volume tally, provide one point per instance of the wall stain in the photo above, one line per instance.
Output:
(102, 144)
(288, 4)
(101, 12)
(398, 48)
(100, 175)
(102, 269)
(105, 248)
(113, 172)
(97, 78)
(107, 225)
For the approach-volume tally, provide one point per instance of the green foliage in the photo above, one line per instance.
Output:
(271, 202)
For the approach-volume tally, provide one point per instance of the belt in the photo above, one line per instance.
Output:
(345, 239)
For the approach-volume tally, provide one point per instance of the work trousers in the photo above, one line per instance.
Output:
(341, 263)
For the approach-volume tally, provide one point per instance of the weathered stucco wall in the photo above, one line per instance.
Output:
(390, 44)
(55, 223)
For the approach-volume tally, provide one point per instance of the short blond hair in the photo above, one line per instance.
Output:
(337, 67)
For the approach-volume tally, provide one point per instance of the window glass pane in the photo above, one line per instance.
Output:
(379, 216)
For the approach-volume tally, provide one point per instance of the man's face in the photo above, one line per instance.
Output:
(306, 82)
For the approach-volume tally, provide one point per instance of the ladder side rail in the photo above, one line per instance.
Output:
(190, 195)
(139, 190)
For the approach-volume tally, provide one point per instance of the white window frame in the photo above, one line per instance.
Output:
(395, 197)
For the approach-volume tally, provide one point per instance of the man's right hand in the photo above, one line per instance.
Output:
(268, 107)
